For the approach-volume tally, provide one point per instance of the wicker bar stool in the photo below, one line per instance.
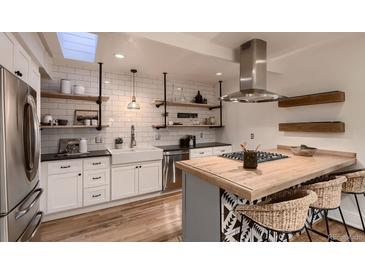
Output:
(284, 213)
(329, 198)
(355, 185)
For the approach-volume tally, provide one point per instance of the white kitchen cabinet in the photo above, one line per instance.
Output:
(221, 150)
(64, 191)
(124, 181)
(34, 77)
(209, 151)
(139, 178)
(21, 63)
(149, 177)
(7, 44)
(96, 195)
(200, 152)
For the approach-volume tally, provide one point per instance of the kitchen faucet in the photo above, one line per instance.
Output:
(133, 137)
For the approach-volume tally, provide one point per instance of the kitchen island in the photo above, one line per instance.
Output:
(213, 186)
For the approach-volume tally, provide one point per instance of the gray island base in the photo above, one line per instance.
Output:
(208, 215)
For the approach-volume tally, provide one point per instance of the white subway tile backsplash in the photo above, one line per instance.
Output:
(115, 111)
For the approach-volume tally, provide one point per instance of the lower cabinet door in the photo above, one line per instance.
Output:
(64, 191)
(96, 195)
(124, 181)
(149, 177)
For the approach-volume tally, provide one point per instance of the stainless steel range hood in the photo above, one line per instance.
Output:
(253, 75)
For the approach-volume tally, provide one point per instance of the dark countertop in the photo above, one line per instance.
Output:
(202, 145)
(55, 157)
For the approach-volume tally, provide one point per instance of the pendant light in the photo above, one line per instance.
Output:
(133, 104)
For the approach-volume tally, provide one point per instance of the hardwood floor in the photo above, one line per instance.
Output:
(151, 220)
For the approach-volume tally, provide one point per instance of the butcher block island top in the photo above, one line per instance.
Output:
(269, 177)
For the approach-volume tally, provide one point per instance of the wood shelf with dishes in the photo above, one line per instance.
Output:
(69, 126)
(159, 103)
(178, 126)
(59, 95)
(202, 104)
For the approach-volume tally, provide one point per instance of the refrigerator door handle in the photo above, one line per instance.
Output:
(22, 211)
(24, 237)
(31, 137)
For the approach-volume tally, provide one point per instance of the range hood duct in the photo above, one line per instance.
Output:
(253, 75)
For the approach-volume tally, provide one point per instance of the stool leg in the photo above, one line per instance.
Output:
(309, 236)
(287, 237)
(344, 223)
(241, 228)
(327, 226)
(358, 208)
(311, 223)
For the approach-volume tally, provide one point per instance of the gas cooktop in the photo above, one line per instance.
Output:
(262, 156)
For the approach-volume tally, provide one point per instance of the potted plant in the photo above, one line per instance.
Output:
(119, 143)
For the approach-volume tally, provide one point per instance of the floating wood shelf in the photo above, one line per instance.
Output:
(179, 126)
(159, 103)
(70, 126)
(313, 99)
(329, 127)
(58, 95)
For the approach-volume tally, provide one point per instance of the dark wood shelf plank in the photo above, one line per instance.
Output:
(313, 99)
(329, 127)
(70, 126)
(159, 103)
(178, 126)
(58, 95)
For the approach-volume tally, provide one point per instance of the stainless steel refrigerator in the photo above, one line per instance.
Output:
(20, 194)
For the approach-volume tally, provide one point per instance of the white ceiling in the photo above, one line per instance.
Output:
(193, 56)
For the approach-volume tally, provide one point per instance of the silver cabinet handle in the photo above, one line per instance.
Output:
(97, 178)
(173, 171)
(96, 195)
(22, 211)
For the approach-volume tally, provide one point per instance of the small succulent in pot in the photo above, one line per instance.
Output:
(119, 142)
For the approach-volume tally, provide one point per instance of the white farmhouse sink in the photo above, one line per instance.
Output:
(136, 154)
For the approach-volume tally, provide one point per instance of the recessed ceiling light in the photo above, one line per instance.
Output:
(219, 73)
(106, 82)
(118, 55)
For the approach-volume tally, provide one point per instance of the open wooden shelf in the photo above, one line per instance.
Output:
(313, 99)
(58, 95)
(70, 126)
(159, 103)
(329, 127)
(178, 126)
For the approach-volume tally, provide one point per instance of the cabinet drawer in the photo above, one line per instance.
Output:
(96, 195)
(96, 163)
(99, 177)
(64, 166)
(221, 150)
(200, 152)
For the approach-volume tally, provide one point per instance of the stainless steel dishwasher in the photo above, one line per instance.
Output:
(171, 176)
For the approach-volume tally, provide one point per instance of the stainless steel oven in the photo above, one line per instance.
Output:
(19, 159)
(172, 177)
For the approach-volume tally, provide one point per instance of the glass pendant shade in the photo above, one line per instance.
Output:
(133, 104)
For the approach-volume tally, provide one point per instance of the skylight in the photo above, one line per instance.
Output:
(79, 46)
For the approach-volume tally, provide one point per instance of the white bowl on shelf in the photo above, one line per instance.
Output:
(78, 90)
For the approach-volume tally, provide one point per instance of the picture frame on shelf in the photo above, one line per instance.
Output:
(81, 115)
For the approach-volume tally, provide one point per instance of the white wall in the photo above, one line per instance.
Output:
(115, 110)
(336, 66)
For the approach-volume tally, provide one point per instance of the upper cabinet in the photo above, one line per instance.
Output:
(21, 63)
(15, 59)
(7, 45)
